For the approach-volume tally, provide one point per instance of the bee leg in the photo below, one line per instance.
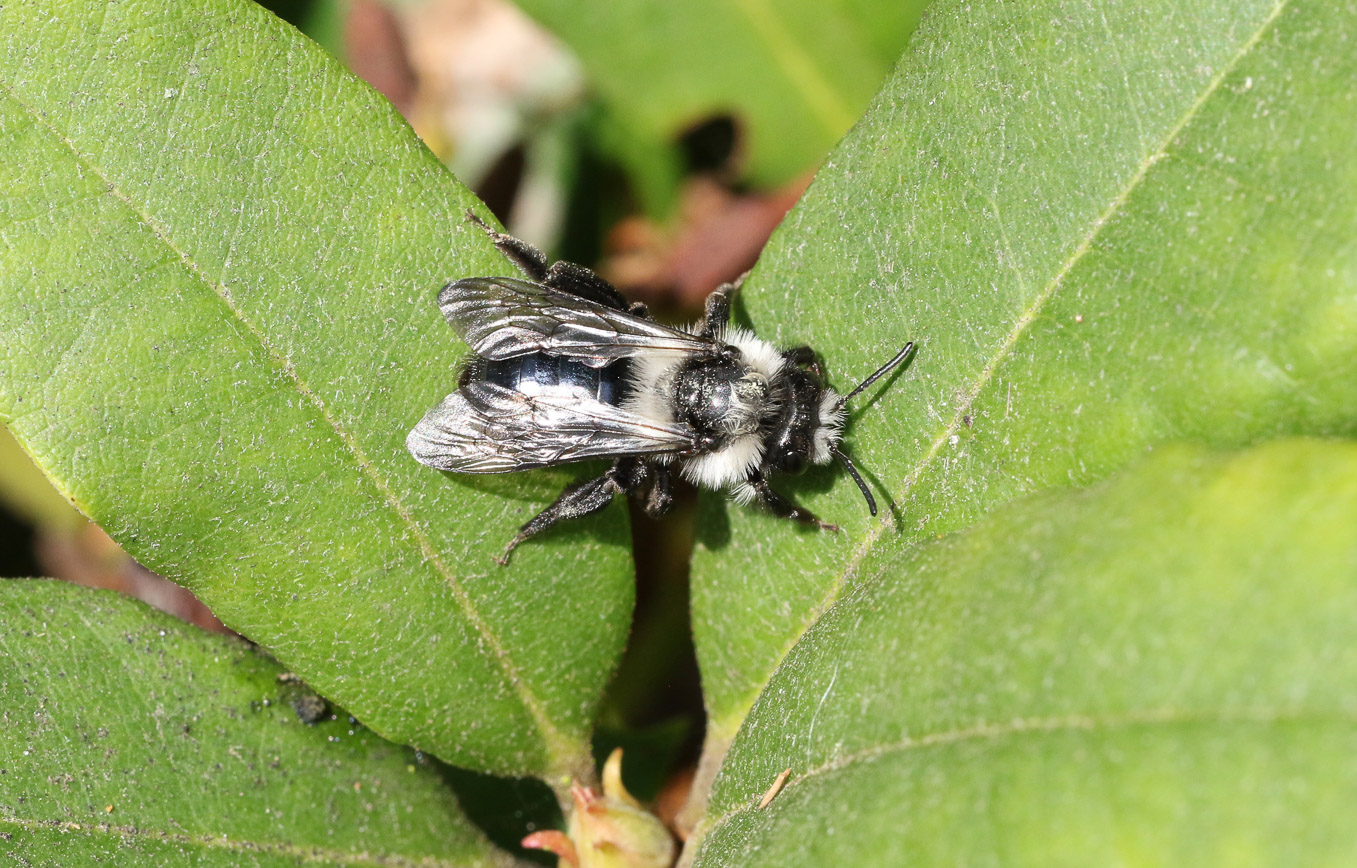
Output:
(578, 280)
(646, 481)
(781, 506)
(716, 315)
(660, 498)
(565, 276)
(528, 259)
(803, 356)
(577, 501)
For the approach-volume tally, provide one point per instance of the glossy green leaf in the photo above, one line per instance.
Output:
(1110, 226)
(1159, 670)
(131, 738)
(219, 254)
(793, 74)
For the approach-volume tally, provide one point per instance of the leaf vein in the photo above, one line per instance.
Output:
(316, 854)
(1024, 321)
(828, 107)
(558, 747)
(1030, 726)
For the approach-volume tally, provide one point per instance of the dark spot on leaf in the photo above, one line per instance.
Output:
(310, 707)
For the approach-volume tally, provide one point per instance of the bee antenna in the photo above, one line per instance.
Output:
(853, 471)
(880, 372)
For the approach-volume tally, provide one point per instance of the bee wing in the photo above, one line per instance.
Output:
(485, 428)
(504, 317)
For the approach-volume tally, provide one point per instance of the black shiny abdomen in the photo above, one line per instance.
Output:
(538, 373)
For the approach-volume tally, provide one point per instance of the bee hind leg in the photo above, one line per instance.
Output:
(577, 501)
(583, 282)
(565, 276)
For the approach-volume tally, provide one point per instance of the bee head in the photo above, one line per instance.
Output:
(796, 437)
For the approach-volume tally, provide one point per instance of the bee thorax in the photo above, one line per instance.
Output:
(724, 398)
(727, 399)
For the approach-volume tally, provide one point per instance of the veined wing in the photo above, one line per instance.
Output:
(485, 428)
(504, 317)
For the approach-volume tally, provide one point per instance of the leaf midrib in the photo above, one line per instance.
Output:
(1037, 726)
(798, 65)
(561, 751)
(301, 852)
(1019, 328)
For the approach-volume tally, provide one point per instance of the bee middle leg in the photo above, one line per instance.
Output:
(577, 501)
(781, 506)
(659, 498)
(649, 482)
(526, 258)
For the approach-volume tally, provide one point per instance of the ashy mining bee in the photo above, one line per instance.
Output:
(566, 370)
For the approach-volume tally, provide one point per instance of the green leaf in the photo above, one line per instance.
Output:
(794, 74)
(116, 717)
(1159, 670)
(27, 492)
(1110, 226)
(219, 254)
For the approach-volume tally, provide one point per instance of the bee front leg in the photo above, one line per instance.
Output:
(716, 315)
(803, 356)
(577, 501)
(781, 506)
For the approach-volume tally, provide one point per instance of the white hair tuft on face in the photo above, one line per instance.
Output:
(830, 430)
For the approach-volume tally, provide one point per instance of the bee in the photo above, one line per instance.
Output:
(566, 370)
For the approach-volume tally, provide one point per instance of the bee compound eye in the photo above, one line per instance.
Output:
(791, 461)
(703, 443)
